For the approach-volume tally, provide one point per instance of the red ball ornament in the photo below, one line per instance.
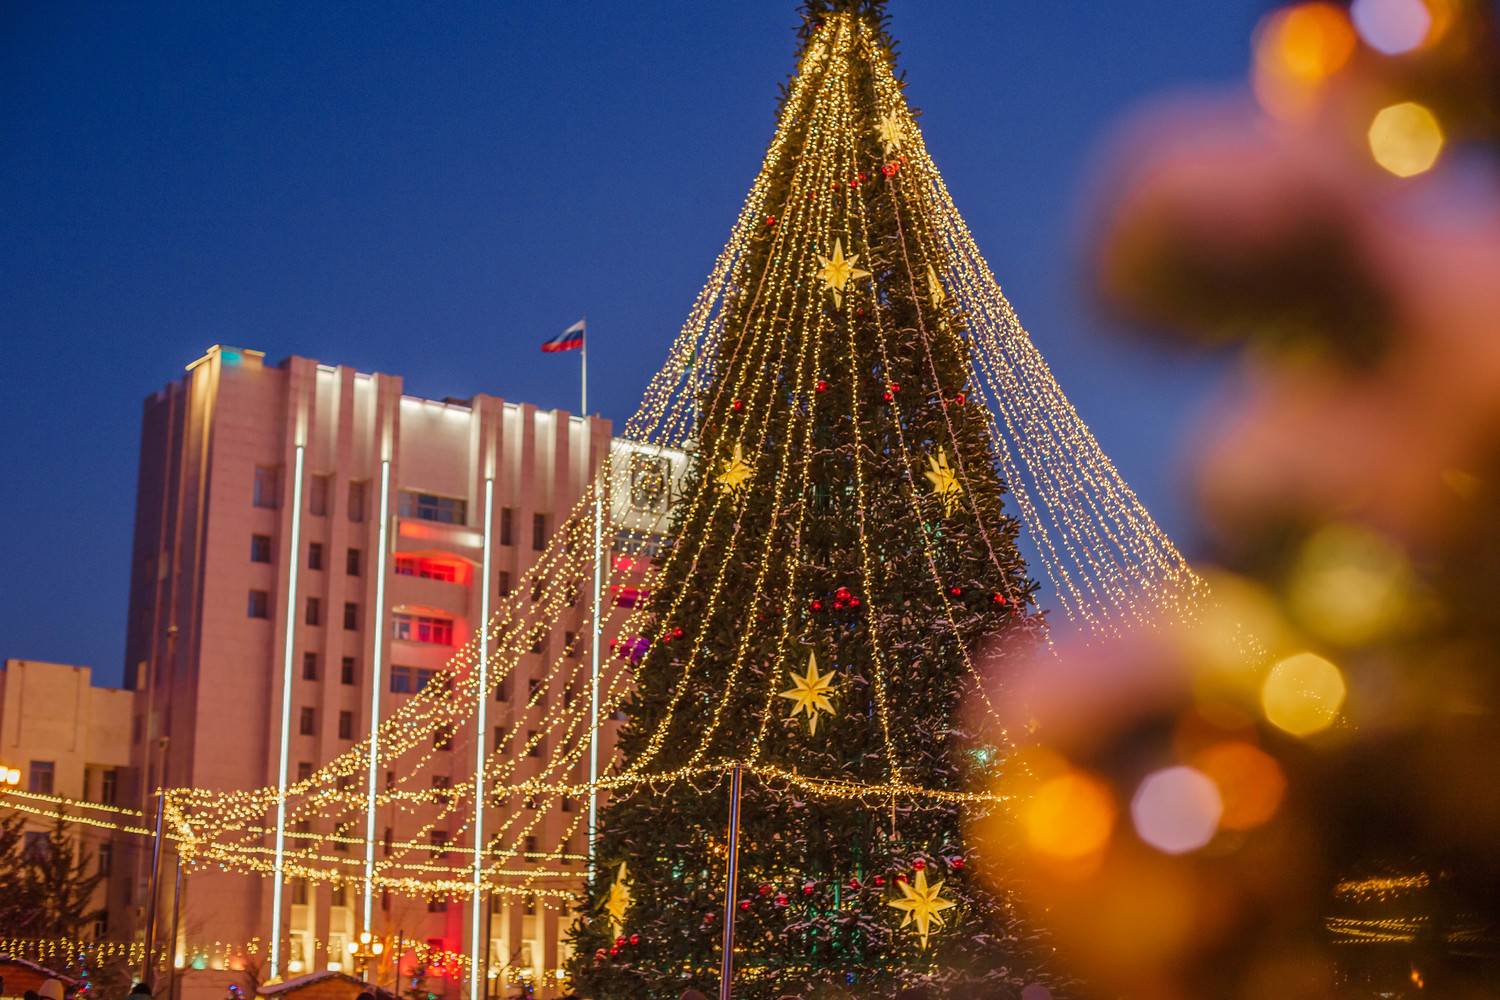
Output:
(708, 918)
(863, 176)
(956, 864)
(888, 396)
(808, 888)
(613, 951)
(816, 605)
(781, 899)
(853, 602)
(956, 591)
(677, 633)
(900, 878)
(919, 865)
(737, 405)
(770, 220)
(765, 889)
(895, 386)
(889, 169)
(619, 942)
(879, 881)
(822, 385)
(960, 399)
(860, 311)
(842, 594)
(744, 904)
(600, 955)
(999, 598)
(854, 883)
(636, 938)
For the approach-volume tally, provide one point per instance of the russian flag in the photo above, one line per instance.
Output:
(570, 339)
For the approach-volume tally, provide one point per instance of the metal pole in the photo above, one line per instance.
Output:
(489, 939)
(594, 667)
(294, 559)
(731, 877)
(172, 945)
(146, 959)
(481, 734)
(583, 402)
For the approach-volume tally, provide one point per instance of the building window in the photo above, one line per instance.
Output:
(309, 666)
(410, 680)
(314, 611)
(507, 525)
(528, 850)
(502, 689)
(503, 583)
(36, 846)
(540, 645)
(267, 491)
(439, 844)
(106, 856)
(533, 743)
(570, 642)
(354, 562)
(539, 531)
(442, 738)
(299, 898)
(356, 502)
(567, 804)
(314, 555)
(431, 507)
(109, 786)
(304, 770)
(427, 569)
(318, 488)
(260, 604)
(260, 548)
(533, 688)
(500, 738)
(439, 905)
(346, 725)
(41, 777)
(351, 616)
(346, 670)
(385, 840)
(423, 628)
(308, 722)
(536, 590)
(441, 785)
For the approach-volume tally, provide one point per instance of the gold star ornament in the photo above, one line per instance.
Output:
(945, 484)
(737, 472)
(618, 900)
(891, 133)
(935, 289)
(922, 904)
(838, 271)
(810, 692)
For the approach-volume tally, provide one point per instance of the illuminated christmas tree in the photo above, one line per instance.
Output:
(840, 554)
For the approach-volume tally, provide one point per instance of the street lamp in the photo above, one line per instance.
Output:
(363, 951)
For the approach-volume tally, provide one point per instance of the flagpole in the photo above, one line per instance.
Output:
(583, 405)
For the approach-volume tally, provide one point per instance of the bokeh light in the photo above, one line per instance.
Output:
(1177, 809)
(1350, 585)
(1406, 139)
(1249, 781)
(1392, 26)
(1069, 817)
(1303, 694)
(1296, 49)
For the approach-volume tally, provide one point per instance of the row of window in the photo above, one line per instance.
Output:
(266, 493)
(41, 777)
(354, 559)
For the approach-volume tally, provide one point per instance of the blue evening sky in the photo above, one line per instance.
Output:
(432, 189)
